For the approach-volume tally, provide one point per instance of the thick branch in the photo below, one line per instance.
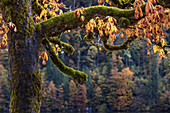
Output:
(79, 76)
(56, 25)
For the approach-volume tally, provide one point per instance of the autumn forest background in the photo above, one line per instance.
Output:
(128, 80)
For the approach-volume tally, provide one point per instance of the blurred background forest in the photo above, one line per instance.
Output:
(125, 80)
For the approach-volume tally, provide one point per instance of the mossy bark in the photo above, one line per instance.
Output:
(23, 47)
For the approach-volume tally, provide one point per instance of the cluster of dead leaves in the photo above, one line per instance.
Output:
(44, 57)
(107, 26)
(4, 28)
(55, 48)
(80, 13)
(53, 8)
(152, 25)
(102, 1)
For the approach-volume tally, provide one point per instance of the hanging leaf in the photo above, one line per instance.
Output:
(43, 12)
(148, 42)
(61, 12)
(136, 13)
(163, 42)
(75, 12)
(141, 13)
(44, 62)
(163, 34)
(168, 26)
(15, 29)
(148, 53)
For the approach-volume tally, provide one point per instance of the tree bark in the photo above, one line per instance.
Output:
(23, 47)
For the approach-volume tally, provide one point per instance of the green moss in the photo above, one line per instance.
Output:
(115, 47)
(123, 22)
(5, 2)
(38, 28)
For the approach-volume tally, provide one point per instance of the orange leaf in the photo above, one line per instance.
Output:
(121, 35)
(44, 63)
(148, 53)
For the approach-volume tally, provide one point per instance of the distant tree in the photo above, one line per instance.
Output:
(72, 93)
(97, 99)
(60, 98)
(50, 98)
(120, 96)
(1, 99)
(81, 98)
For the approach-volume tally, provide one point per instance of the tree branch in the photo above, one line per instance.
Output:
(56, 25)
(123, 46)
(79, 76)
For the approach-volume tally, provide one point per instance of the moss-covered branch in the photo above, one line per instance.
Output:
(79, 76)
(67, 47)
(123, 46)
(56, 25)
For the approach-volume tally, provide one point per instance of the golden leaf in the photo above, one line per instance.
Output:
(45, 5)
(155, 48)
(163, 42)
(45, 56)
(82, 18)
(43, 12)
(61, 12)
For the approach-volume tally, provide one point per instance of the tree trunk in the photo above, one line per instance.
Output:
(23, 45)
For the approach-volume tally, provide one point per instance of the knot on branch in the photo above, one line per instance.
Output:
(123, 22)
